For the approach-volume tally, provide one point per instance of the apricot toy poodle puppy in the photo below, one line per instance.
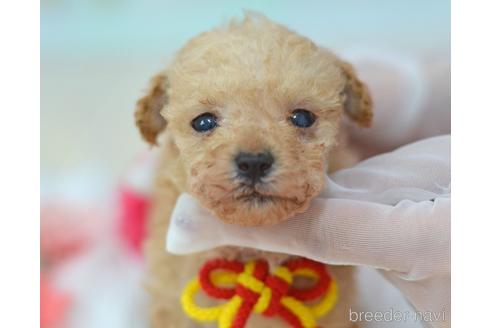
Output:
(247, 118)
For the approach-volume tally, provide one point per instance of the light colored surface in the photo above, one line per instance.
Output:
(87, 114)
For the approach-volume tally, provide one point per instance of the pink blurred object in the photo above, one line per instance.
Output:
(134, 209)
(134, 201)
(66, 229)
(54, 305)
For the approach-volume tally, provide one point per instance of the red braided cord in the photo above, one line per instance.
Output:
(242, 315)
(261, 269)
(279, 288)
(289, 317)
(218, 264)
(321, 285)
(247, 294)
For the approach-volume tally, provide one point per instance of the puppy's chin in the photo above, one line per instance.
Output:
(257, 210)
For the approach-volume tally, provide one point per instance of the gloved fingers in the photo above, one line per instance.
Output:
(418, 171)
(410, 238)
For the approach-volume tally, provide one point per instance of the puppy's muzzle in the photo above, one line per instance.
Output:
(253, 167)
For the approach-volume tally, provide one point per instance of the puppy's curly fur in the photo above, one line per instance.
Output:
(251, 74)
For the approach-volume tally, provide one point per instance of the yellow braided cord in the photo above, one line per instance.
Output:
(263, 301)
(250, 282)
(223, 278)
(230, 309)
(247, 279)
(300, 310)
(304, 272)
(284, 274)
(249, 267)
(327, 302)
(195, 312)
(229, 312)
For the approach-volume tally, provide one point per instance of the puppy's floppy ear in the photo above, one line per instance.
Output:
(147, 115)
(358, 102)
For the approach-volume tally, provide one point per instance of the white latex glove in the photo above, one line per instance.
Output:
(390, 212)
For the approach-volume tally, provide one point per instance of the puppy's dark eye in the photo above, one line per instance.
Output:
(302, 118)
(204, 122)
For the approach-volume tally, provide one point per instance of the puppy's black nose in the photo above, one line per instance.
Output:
(254, 166)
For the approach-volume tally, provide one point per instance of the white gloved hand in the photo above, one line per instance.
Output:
(390, 212)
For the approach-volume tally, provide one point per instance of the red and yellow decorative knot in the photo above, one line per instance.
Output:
(257, 291)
